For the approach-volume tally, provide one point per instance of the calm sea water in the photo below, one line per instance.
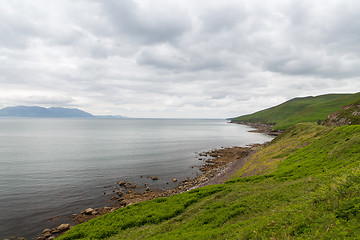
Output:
(56, 167)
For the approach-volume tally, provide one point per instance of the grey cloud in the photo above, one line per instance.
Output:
(344, 33)
(161, 59)
(191, 60)
(148, 25)
(317, 65)
(223, 18)
(312, 40)
(48, 100)
(197, 58)
(16, 28)
(37, 98)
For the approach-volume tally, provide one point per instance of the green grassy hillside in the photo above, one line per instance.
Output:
(304, 185)
(308, 109)
(348, 115)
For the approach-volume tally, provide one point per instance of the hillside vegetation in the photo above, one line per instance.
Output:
(304, 185)
(307, 109)
(348, 115)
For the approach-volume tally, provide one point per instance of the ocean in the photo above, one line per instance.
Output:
(51, 168)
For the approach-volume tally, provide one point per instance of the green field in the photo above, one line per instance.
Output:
(304, 185)
(308, 109)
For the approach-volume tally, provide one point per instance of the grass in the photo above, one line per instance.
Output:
(304, 185)
(349, 114)
(308, 109)
(150, 212)
(294, 138)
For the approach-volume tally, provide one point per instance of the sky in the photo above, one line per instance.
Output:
(176, 59)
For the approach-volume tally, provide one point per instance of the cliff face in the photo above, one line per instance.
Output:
(348, 115)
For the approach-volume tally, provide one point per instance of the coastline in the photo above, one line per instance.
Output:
(261, 128)
(219, 165)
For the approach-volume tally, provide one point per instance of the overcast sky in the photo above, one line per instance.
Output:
(166, 58)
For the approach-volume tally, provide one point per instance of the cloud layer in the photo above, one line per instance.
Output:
(186, 58)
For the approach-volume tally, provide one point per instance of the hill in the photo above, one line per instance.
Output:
(304, 185)
(348, 115)
(34, 111)
(307, 109)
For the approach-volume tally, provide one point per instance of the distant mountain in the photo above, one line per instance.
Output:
(34, 111)
(306, 109)
(109, 116)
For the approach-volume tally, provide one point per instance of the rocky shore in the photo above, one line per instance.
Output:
(219, 165)
(261, 128)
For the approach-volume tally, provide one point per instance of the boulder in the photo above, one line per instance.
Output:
(107, 209)
(63, 227)
(154, 178)
(130, 186)
(89, 211)
(47, 234)
(46, 231)
(174, 180)
(122, 183)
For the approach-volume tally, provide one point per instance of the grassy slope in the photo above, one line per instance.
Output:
(348, 114)
(308, 109)
(305, 185)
